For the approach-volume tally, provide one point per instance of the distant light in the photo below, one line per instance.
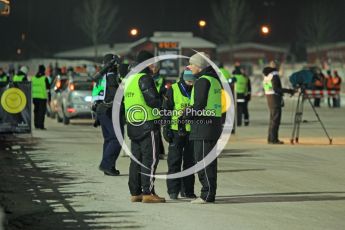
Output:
(202, 23)
(23, 36)
(134, 32)
(5, 7)
(265, 30)
(19, 51)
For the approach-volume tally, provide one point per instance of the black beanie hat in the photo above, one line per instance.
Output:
(107, 58)
(144, 55)
(41, 69)
(267, 70)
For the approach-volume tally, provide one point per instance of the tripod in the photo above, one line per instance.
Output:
(298, 117)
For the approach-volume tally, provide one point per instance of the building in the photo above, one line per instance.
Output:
(251, 53)
(185, 42)
(178, 43)
(333, 52)
(88, 53)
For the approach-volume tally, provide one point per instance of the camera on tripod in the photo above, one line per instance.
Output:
(303, 79)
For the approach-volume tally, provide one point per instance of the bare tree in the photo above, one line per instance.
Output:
(97, 19)
(232, 22)
(318, 23)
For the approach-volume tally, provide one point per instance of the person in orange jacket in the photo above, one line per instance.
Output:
(330, 86)
(318, 85)
(337, 87)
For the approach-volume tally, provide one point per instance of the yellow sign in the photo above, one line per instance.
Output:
(13, 100)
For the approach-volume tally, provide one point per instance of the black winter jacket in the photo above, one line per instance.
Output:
(152, 99)
(204, 128)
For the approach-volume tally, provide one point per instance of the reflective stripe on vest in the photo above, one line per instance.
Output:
(39, 89)
(241, 85)
(214, 96)
(180, 102)
(136, 109)
(98, 91)
(267, 83)
(18, 78)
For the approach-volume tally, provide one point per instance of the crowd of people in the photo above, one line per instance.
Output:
(41, 82)
(331, 83)
(191, 135)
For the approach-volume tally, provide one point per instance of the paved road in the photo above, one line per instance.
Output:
(260, 186)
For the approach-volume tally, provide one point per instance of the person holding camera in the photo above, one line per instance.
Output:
(274, 95)
(103, 95)
(176, 132)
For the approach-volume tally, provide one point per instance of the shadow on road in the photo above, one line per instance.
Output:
(281, 197)
(32, 196)
(238, 170)
(236, 152)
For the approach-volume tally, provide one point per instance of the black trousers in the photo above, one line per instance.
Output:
(146, 151)
(274, 105)
(317, 100)
(240, 112)
(246, 112)
(208, 175)
(161, 145)
(111, 146)
(40, 109)
(334, 101)
(180, 153)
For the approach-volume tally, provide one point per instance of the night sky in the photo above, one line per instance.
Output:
(50, 27)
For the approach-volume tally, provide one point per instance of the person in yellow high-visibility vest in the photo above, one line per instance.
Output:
(22, 74)
(142, 104)
(176, 132)
(206, 127)
(40, 87)
(274, 95)
(241, 88)
(3, 76)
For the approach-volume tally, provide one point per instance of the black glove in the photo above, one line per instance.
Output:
(49, 96)
(181, 127)
(168, 133)
(182, 131)
(96, 123)
(94, 107)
